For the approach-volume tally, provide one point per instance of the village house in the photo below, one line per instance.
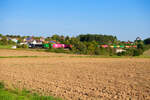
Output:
(119, 50)
(14, 40)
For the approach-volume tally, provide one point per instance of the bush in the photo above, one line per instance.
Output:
(22, 46)
(1, 85)
(97, 51)
(121, 53)
(58, 50)
(137, 52)
(104, 51)
(140, 46)
(111, 51)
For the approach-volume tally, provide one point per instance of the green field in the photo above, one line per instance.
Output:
(5, 46)
(6, 94)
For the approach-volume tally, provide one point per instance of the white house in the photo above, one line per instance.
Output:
(35, 42)
(14, 40)
(120, 50)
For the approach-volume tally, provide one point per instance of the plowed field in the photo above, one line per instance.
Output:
(74, 78)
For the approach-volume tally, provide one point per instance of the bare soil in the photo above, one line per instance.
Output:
(77, 78)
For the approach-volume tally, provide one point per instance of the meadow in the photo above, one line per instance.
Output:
(16, 94)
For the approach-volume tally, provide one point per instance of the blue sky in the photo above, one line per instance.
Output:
(126, 19)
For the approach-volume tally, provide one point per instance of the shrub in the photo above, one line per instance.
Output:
(140, 46)
(97, 51)
(22, 46)
(58, 50)
(104, 51)
(1, 85)
(121, 53)
(137, 52)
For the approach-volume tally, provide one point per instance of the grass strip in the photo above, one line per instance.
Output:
(19, 56)
(5, 46)
(28, 56)
(92, 56)
(6, 94)
(76, 56)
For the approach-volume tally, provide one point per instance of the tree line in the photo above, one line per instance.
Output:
(88, 44)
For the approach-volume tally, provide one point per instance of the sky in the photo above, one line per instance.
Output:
(126, 19)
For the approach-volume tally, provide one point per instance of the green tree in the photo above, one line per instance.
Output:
(137, 52)
(147, 41)
(91, 47)
(101, 39)
(3, 41)
(1, 35)
(56, 37)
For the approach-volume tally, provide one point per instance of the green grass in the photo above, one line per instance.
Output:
(19, 56)
(143, 56)
(59, 50)
(103, 56)
(5, 46)
(99, 56)
(6, 94)
(147, 53)
(87, 56)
